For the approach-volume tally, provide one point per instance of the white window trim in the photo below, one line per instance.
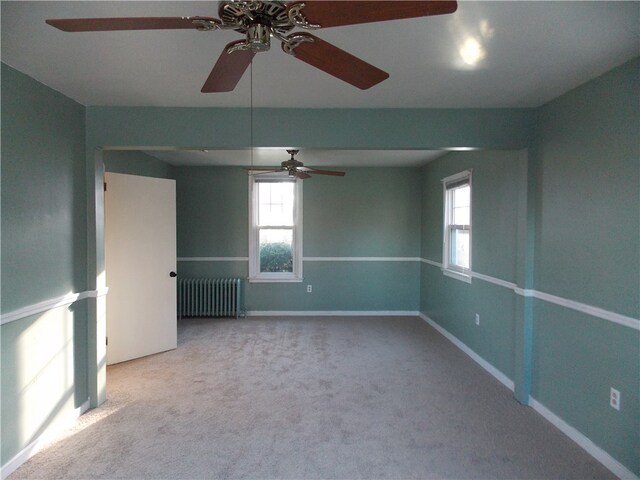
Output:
(454, 271)
(255, 276)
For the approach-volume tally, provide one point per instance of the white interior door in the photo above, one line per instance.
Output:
(140, 249)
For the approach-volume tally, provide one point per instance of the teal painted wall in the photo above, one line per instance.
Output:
(577, 358)
(212, 211)
(43, 193)
(44, 376)
(588, 249)
(496, 183)
(371, 212)
(309, 128)
(583, 244)
(588, 149)
(134, 162)
(582, 172)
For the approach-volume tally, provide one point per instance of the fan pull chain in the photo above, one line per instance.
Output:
(251, 110)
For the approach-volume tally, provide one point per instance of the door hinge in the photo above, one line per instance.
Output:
(107, 341)
(105, 186)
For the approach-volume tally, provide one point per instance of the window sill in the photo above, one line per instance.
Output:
(274, 280)
(463, 277)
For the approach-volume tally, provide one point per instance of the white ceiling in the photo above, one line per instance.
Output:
(532, 52)
(529, 53)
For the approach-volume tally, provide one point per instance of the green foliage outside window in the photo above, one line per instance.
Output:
(276, 257)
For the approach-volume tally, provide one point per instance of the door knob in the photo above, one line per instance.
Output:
(173, 274)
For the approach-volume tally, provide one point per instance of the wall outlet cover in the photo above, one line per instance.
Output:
(614, 398)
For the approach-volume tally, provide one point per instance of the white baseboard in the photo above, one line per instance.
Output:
(33, 448)
(501, 377)
(332, 313)
(591, 448)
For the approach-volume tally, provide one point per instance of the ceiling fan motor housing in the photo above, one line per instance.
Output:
(259, 37)
(292, 164)
(257, 20)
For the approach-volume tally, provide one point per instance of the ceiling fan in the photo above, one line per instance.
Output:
(295, 168)
(261, 20)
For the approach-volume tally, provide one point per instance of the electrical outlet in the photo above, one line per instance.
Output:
(309, 288)
(477, 319)
(614, 398)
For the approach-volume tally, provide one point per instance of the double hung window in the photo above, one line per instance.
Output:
(275, 237)
(457, 226)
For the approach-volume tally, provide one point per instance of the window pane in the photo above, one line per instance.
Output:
(276, 250)
(275, 203)
(461, 205)
(461, 215)
(461, 197)
(459, 248)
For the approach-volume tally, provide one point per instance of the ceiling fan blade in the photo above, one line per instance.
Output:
(228, 70)
(302, 175)
(337, 62)
(125, 23)
(325, 172)
(337, 13)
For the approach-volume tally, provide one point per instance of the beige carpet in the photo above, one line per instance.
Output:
(310, 398)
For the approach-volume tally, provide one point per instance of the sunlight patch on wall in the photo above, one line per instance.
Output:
(101, 335)
(44, 372)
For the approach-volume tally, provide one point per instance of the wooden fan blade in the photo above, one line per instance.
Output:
(337, 13)
(228, 70)
(302, 175)
(325, 172)
(125, 23)
(337, 62)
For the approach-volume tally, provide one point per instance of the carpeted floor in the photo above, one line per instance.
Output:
(310, 398)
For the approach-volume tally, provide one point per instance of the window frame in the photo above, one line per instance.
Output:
(255, 275)
(449, 269)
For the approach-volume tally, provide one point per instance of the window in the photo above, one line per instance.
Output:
(457, 226)
(275, 233)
